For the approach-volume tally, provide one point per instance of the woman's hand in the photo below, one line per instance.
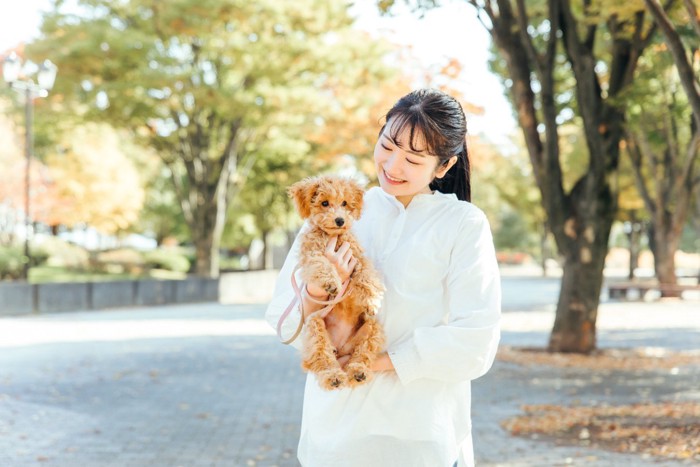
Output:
(381, 363)
(342, 260)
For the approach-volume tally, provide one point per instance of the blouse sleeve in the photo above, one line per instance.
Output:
(283, 295)
(465, 347)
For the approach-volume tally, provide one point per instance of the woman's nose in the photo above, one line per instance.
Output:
(390, 162)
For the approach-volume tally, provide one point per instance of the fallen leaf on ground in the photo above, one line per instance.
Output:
(642, 358)
(670, 430)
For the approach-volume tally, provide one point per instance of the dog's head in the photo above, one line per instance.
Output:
(331, 203)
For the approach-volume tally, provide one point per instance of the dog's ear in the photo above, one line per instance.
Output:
(302, 193)
(357, 195)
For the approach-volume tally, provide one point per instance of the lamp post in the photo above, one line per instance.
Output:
(20, 78)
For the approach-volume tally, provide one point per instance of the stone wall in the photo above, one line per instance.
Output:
(17, 298)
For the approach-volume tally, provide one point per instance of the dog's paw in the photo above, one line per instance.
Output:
(332, 379)
(332, 287)
(358, 373)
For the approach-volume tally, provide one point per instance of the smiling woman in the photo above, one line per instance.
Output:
(411, 157)
(440, 312)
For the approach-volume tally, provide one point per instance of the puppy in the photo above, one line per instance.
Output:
(331, 204)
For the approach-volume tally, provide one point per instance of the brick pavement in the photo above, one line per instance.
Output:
(208, 385)
(201, 385)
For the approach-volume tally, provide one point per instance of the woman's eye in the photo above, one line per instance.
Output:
(324, 204)
(388, 149)
(345, 203)
(411, 162)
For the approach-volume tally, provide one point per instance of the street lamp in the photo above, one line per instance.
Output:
(19, 77)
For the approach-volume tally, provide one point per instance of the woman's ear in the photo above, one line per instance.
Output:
(445, 167)
(302, 193)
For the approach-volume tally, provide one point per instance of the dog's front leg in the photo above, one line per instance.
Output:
(318, 269)
(319, 355)
(367, 342)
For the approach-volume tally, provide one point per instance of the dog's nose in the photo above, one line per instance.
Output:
(339, 221)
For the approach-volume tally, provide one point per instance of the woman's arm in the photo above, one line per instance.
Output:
(284, 294)
(383, 363)
(465, 347)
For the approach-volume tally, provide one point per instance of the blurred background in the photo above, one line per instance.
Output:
(146, 148)
(165, 144)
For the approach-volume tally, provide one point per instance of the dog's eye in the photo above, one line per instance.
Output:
(345, 203)
(324, 204)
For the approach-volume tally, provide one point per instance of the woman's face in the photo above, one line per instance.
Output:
(402, 172)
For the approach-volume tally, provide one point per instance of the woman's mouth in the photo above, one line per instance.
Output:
(391, 180)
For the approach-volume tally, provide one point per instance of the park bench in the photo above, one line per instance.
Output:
(620, 290)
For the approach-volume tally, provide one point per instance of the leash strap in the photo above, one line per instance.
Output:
(297, 300)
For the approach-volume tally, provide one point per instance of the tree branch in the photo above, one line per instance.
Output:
(550, 55)
(589, 41)
(588, 91)
(181, 191)
(692, 152)
(675, 45)
(532, 54)
(636, 158)
(693, 14)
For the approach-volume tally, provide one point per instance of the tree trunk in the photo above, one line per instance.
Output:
(634, 239)
(266, 262)
(544, 251)
(635, 247)
(205, 241)
(666, 244)
(574, 325)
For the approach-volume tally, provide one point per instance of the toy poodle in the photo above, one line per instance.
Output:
(331, 204)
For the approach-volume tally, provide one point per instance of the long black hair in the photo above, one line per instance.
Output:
(437, 120)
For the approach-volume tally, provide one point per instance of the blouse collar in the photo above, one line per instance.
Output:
(421, 198)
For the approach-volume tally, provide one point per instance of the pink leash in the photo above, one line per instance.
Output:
(297, 299)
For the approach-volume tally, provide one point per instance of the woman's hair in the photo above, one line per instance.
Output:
(436, 120)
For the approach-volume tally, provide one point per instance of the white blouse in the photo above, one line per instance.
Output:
(441, 315)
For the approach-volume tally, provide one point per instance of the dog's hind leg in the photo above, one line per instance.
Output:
(369, 289)
(367, 342)
(319, 356)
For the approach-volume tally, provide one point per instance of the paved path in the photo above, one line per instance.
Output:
(208, 385)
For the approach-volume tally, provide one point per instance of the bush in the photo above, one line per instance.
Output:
(63, 254)
(38, 256)
(167, 259)
(119, 261)
(11, 262)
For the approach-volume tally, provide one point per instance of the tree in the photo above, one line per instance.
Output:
(503, 188)
(203, 82)
(672, 163)
(45, 201)
(663, 143)
(161, 216)
(264, 197)
(631, 212)
(96, 184)
(597, 45)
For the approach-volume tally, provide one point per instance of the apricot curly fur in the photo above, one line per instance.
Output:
(326, 202)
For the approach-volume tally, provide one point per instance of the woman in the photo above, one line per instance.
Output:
(440, 312)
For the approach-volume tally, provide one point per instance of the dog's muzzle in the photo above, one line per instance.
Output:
(339, 221)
